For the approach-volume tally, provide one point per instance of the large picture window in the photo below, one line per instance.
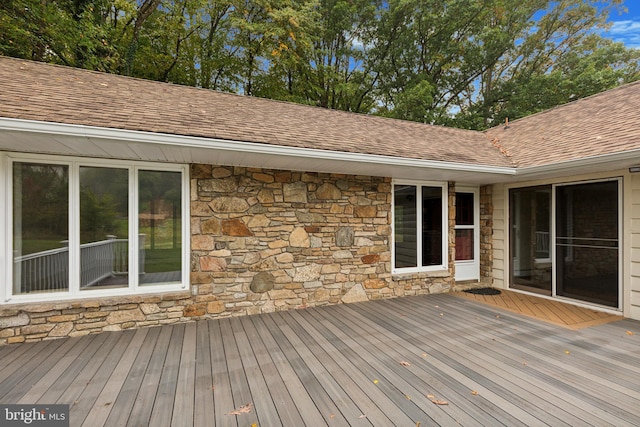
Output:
(420, 227)
(84, 229)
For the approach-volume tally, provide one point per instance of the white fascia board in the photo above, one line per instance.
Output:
(91, 132)
(615, 161)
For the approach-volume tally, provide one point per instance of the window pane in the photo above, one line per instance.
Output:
(160, 226)
(405, 226)
(464, 208)
(40, 228)
(464, 245)
(104, 228)
(431, 226)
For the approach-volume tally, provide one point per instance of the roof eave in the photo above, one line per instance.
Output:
(90, 141)
(586, 165)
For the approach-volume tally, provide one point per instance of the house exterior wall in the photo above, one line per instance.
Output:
(261, 241)
(632, 245)
(500, 236)
(630, 262)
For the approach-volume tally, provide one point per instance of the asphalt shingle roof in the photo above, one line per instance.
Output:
(606, 123)
(50, 93)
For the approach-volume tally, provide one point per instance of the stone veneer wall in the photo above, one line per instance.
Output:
(262, 241)
(486, 234)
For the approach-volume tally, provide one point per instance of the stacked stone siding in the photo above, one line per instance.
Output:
(486, 234)
(261, 241)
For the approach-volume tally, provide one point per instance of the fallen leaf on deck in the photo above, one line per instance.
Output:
(497, 316)
(567, 352)
(376, 381)
(254, 425)
(474, 393)
(407, 397)
(629, 333)
(424, 354)
(433, 399)
(404, 363)
(332, 416)
(362, 416)
(244, 409)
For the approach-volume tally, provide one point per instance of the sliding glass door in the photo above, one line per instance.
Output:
(587, 242)
(565, 241)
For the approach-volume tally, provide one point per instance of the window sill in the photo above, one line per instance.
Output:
(403, 275)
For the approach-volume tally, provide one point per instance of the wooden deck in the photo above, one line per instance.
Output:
(382, 363)
(550, 310)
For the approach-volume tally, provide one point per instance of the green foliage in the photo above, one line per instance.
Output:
(465, 63)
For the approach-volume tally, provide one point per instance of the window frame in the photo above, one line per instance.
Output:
(419, 247)
(74, 164)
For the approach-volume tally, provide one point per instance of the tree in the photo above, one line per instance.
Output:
(464, 63)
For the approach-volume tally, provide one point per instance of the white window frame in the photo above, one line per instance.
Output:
(74, 292)
(445, 227)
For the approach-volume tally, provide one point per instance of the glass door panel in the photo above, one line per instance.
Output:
(467, 218)
(587, 242)
(530, 223)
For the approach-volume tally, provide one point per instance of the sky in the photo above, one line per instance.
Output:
(626, 26)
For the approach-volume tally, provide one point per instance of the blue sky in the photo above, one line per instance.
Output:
(626, 26)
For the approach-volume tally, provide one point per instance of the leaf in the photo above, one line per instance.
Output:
(405, 363)
(474, 393)
(629, 333)
(244, 409)
(376, 381)
(362, 416)
(567, 352)
(433, 399)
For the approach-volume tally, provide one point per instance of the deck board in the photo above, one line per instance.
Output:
(287, 412)
(162, 411)
(144, 401)
(183, 403)
(341, 366)
(204, 410)
(126, 398)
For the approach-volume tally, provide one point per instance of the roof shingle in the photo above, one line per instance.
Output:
(44, 92)
(606, 123)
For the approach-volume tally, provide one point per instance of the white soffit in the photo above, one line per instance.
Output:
(74, 140)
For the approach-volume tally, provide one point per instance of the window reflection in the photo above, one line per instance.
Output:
(159, 223)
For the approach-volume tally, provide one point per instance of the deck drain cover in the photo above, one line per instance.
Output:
(483, 291)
